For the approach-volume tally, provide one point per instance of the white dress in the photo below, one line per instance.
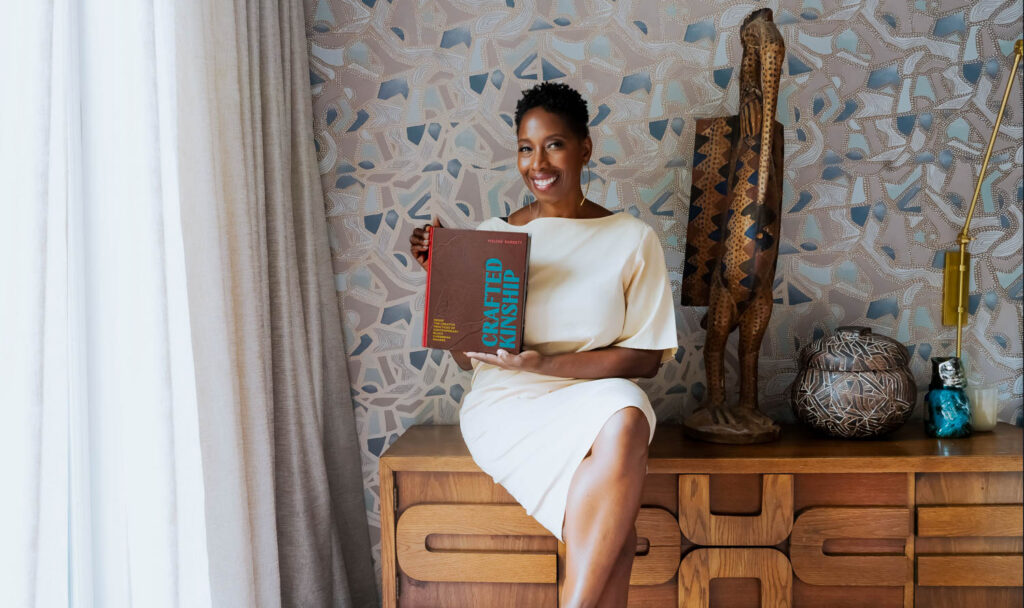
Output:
(592, 283)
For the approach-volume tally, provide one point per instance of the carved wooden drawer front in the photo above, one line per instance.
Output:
(658, 564)
(817, 525)
(804, 522)
(417, 560)
(770, 526)
(969, 528)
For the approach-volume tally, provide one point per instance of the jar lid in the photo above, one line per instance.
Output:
(854, 349)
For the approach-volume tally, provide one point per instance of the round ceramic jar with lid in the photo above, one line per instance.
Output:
(854, 384)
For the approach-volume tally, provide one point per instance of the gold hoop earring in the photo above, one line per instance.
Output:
(587, 191)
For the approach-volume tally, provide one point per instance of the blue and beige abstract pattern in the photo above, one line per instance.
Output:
(887, 110)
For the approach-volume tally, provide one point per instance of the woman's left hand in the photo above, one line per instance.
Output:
(526, 361)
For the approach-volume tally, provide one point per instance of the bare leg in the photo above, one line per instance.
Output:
(601, 510)
(616, 590)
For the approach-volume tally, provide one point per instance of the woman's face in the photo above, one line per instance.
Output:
(551, 156)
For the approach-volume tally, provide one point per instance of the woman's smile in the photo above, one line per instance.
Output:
(544, 182)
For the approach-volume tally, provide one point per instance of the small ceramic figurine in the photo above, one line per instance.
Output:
(947, 412)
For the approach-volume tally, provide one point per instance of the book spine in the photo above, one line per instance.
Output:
(426, 305)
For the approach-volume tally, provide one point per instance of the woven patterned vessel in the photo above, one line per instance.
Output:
(854, 384)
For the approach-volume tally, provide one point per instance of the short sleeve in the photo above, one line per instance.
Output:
(650, 319)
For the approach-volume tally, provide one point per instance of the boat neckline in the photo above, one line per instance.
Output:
(570, 219)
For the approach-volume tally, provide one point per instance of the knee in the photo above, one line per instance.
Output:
(634, 428)
(624, 437)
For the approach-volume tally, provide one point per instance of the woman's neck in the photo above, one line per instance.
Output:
(564, 208)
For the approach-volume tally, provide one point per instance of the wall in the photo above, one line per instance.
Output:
(887, 111)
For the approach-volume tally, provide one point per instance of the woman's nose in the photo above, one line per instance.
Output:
(539, 159)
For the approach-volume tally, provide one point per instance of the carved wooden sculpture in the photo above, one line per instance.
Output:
(733, 235)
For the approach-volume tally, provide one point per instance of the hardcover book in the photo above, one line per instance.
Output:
(476, 290)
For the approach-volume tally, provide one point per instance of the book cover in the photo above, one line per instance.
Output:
(476, 290)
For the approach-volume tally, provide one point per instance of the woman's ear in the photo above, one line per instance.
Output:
(588, 149)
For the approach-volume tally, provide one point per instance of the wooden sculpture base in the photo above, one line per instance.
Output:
(736, 425)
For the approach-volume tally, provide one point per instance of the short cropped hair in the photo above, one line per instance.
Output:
(557, 98)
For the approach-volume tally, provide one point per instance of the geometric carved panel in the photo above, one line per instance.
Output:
(814, 526)
(459, 539)
(770, 527)
(767, 565)
(418, 562)
(969, 528)
(970, 520)
(970, 570)
(660, 563)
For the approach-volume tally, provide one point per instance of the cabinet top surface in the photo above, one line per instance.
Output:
(440, 448)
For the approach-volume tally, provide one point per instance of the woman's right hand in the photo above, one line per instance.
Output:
(419, 242)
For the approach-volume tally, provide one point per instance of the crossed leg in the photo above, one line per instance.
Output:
(601, 511)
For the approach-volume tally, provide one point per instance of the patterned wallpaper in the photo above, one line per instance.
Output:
(887, 109)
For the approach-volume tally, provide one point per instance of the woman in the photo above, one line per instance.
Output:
(559, 425)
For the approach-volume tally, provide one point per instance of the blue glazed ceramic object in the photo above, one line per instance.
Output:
(947, 412)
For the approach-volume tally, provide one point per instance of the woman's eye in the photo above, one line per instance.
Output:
(524, 149)
(555, 144)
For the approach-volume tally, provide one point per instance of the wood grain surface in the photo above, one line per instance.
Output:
(966, 496)
(415, 488)
(661, 560)
(419, 562)
(973, 520)
(814, 526)
(389, 566)
(770, 526)
(967, 561)
(702, 565)
(440, 448)
(970, 570)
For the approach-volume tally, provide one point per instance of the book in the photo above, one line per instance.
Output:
(476, 290)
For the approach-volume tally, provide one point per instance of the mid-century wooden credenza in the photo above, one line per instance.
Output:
(806, 521)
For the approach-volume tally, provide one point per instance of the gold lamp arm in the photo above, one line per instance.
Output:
(962, 267)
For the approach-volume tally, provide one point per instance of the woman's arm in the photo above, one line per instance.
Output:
(608, 362)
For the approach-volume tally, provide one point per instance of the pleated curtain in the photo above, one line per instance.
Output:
(177, 424)
(263, 249)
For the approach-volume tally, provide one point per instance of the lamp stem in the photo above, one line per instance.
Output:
(1018, 49)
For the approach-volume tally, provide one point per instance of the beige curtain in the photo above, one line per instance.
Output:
(284, 497)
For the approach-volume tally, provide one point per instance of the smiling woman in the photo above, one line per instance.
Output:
(560, 425)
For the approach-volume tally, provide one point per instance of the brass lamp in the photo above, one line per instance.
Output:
(957, 263)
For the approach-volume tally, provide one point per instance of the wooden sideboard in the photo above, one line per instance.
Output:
(806, 521)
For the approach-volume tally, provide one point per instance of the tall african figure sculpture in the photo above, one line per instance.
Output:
(733, 236)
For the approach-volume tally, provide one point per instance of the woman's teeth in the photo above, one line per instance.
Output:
(544, 183)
